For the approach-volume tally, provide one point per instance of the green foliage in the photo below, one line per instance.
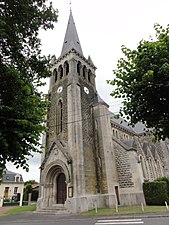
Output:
(22, 106)
(35, 194)
(166, 179)
(7, 200)
(124, 210)
(30, 182)
(142, 80)
(27, 190)
(155, 192)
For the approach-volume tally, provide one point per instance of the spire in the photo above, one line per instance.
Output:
(71, 40)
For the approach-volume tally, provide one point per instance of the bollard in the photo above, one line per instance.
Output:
(142, 207)
(96, 207)
(166, 205)
(117, 210)
(1, 202)
(29, 198)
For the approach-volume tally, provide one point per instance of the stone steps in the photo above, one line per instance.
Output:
(55, 209)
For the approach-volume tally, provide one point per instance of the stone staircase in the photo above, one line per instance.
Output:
(55, 209)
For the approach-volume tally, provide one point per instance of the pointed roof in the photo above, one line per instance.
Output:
(99, 100)
(90, 61)
(71, 40)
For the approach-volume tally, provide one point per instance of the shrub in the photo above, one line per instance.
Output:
(155, 192)
(166, 179)
(7, 200)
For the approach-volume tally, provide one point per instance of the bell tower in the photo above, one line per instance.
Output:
(69, 143)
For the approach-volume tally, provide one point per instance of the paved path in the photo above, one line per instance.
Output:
(5, 209)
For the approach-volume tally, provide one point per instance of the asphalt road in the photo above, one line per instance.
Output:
(42, 219)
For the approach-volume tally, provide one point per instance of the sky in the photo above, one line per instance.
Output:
(103, 27)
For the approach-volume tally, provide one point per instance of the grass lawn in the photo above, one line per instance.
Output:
(122, 210)
(19, 209)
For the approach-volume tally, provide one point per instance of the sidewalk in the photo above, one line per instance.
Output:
(5, 209)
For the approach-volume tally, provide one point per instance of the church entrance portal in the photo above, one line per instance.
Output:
(61, 189)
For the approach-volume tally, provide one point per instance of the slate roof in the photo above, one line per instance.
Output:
(130, 143)
(71, 40)
(9, 176)
(139, 128)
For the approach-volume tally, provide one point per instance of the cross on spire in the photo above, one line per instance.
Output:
(70, 3)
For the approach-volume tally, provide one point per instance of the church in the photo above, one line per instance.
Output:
(89, 157)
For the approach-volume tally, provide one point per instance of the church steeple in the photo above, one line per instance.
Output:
(71, 40)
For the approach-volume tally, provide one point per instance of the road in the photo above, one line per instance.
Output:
(42, 219)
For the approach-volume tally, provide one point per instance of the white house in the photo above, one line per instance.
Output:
(12, 185)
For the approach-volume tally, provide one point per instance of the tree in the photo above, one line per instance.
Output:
(27, 190)
(142, 80)
(30, 182)
(30, 189)
(22, 105)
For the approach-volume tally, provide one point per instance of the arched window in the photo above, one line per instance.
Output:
(113, 133)
(89, 75)
(60, 70)
(55, 74)
(152, 172)
(159, 169)
(84, 72)
(66, 67)
(17, 178)
(59, 117)
(142, 166)
(78, 68)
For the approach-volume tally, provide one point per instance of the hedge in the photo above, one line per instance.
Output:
(155, 193)
(166, 179)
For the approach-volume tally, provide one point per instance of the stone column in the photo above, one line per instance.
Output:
(102, 116)
(75, 135)
(50, 189)
(29, 198)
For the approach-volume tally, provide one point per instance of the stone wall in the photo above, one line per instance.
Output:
(123, 167)
(88, 142)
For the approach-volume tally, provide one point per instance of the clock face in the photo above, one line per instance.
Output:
(86, 90)
(59, 90)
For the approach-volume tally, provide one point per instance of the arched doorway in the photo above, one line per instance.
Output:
(61, 189)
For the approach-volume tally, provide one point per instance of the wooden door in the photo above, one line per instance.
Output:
(61, 189)
(6, 191)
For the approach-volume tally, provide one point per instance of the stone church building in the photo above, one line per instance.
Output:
(89, 157)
